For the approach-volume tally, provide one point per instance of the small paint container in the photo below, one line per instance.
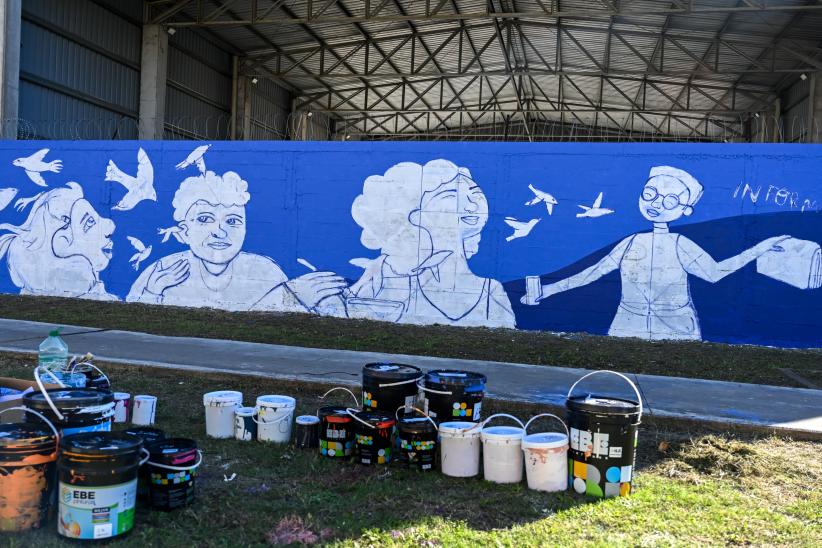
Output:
(122, 404)
(144, 410)
(245, 428)
(307, 432)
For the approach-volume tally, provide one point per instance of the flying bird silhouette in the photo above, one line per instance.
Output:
(6, 196)
(196, 157)
(142, 252)
(34, 166)
(596, 210)
(521, 228)
(23, 203)
(540, 196)
(139, 188)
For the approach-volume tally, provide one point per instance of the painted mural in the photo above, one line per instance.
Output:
(659, 242)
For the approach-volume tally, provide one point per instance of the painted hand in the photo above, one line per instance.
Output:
(547, 291)
(771, 244)
(164, 277)
(312, 288)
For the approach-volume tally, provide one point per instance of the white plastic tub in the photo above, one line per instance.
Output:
(459, 449)
(546, 458)
(219, 411)
(274, 417)
(502, 453)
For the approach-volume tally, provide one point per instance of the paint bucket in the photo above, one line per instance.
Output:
(148, 435)
(144, 410)
(97, 473)
(219, 412)
(172, 469)
(307, 432)
(73, 410)
(95, 378)
(502, 451)
(386, 386)
(69, 379)
(122, 404)
(274, 415)
(245, 428)
(28, 453)
(603, 439)
(336, 428)
(453, 395)
(546, 457)
(417, 440)
(459, 449)
(372, 432)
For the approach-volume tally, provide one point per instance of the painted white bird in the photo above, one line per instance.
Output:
(23, 203)
(596, 210)
(6, 196)
(142, 252)
(196, 157)
(521, 228)
(139, 188)
(541, 196)
(34, 166)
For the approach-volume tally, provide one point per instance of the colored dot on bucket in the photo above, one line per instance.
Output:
(463, 405)
(613, 474)
(331, 452)
(462, 413)
(456, 406)
(381, 452)
(579, 485)
(625, 489)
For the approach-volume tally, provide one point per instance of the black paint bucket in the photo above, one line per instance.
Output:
(417, 442)
(95, 378)
(307, 432)
(148, 435)
(73, 410)
(172, 470)
(603, 441)
(97, 474)
(373, 431)
(336, 432)
(386, 386)
(453, 395)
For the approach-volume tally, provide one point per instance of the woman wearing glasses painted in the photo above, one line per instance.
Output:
(654, 266)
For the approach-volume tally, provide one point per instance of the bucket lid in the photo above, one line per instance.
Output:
(119, 396)
(68, 398)
(171, 446)
(390, 371)
(417, 425)
(223, 398)
(334, 413)
(502, 433)
(603, 405)
(26, 436)
(147, 433)
(459, 429)
(101, 443)
(377, 418)
(307, 420)
(245, 411)
(544, 440)
(455, 377)
(276, 401)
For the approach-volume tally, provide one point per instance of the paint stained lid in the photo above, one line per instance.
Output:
(389, 371)
(545, 440)
(223, 398)
(173, 451)
(68, 398)
(502, 433)
(308, 420)
(120, 396)
(603, 405)
(245, 411)
(459, 429)
(450, 377)
(416, 425)
(276, 401)
(377, 419)
(335, 413)
(101, 443)
(147, 433)
(23, 435)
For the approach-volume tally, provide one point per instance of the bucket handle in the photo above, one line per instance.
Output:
(626, 379)
(342, 388)
(44, 419)
(145, 459)
(42, 388)
(93, 367)
(408, 381)
(535, 417)
(349, 411)
(278, 421)
(178, 468)
(443, 392)
(486, 421)
(420, 411)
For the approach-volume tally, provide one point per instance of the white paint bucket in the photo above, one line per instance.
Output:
(502, 453)
(459, 449)
(145, 407)
(546, 457)
(121, 405)
(219, 412)
(274, 417)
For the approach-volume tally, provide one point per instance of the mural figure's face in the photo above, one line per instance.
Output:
(454, 212)
(664, 199)
(85, 234)
(215, 233)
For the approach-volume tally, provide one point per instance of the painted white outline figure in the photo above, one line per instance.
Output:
(195, 157)
(61, 248)
(654, 266)
(6, 196)
(543, 197)
(521, 228)
(596, 210)
(142, 254)
(426, 221)
(139, 188)
(34, 165)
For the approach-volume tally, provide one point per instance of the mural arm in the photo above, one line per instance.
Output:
(500, 309)
(153, 282)
(301, 294)
(698, 262)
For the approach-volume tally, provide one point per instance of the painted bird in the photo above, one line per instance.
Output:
(142, 252)
(6, 196)
(139, 188)
(540, 196)
(34, 166)
(196, 157)
(521, 228)
(596, 210)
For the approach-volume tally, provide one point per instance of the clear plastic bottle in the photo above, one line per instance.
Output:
(53, 354)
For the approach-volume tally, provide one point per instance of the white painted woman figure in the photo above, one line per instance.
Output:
(654, 266)
(426, 221)
(61, 248)
(214, 272)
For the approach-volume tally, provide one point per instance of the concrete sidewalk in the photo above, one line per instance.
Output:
(793, 410)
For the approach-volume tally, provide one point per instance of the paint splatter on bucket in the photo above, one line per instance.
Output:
(274, 417)
(546, 457)
(122, 407)
(172, 469)
(219, 412)
(386, 386)
(453, 395)
(372, 431)
(459, 449)
(417, 442)
(73, 410)
(144, 410)
(245, 427)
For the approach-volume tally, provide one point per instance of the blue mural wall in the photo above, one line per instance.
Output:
(658, 241)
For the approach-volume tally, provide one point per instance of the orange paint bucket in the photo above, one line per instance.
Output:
(28, 455)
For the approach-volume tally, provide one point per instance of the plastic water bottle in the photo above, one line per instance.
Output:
(53, 354)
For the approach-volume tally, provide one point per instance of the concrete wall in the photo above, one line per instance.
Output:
(693, 242)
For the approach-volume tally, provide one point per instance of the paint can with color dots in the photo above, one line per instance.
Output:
(603, 440)
(546, 457)
(274, 417)
(460, 449)
(245, 428)
(417, 438)
(307, 432)
(385, 386)
(219, 412)
(172, 469)
(144, 410)
(122, 407)
(71, 410)
(148, 435)
(452, 395)
(372, 431)
(336, 428)
(28, 456)
(502, 451)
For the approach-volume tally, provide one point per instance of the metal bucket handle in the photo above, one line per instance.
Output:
(420, 411)
(626, 379)
(44, 419)
(398, 383)
(93, 367)
(421, 387)
(368, 424)
(357, 403)
(278, 421)
(57, 413)
(519, 422)
(177, 468)
(535, 417)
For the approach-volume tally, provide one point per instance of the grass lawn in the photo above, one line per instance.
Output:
(749, 364)
(705, 488)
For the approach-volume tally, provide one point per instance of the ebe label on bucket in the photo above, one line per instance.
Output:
(97, 512)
